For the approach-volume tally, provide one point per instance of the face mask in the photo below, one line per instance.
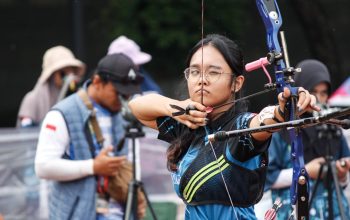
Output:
(68, 87)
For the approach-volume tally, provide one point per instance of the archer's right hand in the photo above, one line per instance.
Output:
(194, 117)
(106, 165)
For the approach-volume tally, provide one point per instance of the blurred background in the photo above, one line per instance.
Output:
(167, 30)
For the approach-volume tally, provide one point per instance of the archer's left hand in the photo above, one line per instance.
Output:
(306, 101)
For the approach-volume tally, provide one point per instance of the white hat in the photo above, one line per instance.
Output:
(128, 47)
(57, 58)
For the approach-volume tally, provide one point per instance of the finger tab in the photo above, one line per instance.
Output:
(208, 109)
(189, 107)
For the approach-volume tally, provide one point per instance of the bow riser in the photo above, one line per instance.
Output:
(272, 18)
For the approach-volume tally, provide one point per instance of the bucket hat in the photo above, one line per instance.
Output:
(128, 47)
(57, 58)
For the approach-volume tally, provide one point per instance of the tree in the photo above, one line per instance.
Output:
(319, 34)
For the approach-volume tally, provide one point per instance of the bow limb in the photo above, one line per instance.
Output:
(299, 190)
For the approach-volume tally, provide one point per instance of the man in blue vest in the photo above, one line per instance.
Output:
(70, 152)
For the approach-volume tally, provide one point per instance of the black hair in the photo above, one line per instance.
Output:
(228, 48)
(234, 58)
(103, 77)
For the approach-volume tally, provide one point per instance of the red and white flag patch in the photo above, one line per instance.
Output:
(50, 127)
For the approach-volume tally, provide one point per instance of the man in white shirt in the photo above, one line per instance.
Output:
(70, 153)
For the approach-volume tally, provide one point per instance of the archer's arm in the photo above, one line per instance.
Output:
(149, 107)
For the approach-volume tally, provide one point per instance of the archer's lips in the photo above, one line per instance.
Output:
(200, 91)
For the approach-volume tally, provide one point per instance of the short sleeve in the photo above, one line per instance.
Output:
(247, 147)
(169, 129)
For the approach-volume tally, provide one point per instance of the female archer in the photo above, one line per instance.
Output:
(221, 180)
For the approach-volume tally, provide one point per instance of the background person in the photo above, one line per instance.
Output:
(69, 153)
(315, 77)
(125, 45)
(58, 63)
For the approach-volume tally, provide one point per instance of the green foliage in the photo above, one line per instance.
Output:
(167, 28)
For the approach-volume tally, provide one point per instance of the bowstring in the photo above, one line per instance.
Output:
(223, 179)
(202, 102)
(202, 37)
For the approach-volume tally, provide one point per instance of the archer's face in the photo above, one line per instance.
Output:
(215, 90)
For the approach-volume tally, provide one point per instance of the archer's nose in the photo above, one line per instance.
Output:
(203, 80)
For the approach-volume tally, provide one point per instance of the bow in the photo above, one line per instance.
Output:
(271, 16)
(299, 190)
(272, 19)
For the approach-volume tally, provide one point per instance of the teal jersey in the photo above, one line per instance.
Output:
(170, 129)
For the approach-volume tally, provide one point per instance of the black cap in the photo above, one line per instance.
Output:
(121, 71)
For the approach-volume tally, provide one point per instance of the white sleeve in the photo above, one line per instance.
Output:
(53, 142)
(284, 179)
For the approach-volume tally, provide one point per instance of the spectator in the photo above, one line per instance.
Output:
(315, 77)
(60, 70)
(73, 156)
(128, 47)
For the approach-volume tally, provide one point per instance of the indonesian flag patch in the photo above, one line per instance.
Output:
(50, 127)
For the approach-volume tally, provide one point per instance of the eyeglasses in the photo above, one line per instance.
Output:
(212, 74)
